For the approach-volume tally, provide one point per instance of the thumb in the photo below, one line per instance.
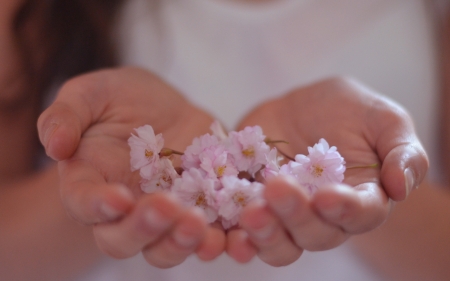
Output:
(404, 168)
(404, 160)
(79, 104)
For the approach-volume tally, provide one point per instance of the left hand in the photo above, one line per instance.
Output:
(367, 129)
(86, 130)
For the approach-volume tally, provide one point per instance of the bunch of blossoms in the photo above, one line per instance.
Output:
(215, 167)
(323, 165)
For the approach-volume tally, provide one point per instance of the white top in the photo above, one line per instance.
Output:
(227, 57)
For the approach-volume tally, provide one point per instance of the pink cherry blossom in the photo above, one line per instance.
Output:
(272, 168)
(218, 130)
(193, 189)
(323, 165)
(234, 196)
(217, 162)
(249, 149)
(191, 159)
(161, 179)
(290, 169)
(145, 148)
(212, 165)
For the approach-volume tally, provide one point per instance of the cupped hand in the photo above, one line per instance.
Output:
(86, 130)
(367, 128)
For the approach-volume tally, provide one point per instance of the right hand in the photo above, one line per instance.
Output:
(366, 128)
(86, 130)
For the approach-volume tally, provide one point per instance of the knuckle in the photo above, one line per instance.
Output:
(339, 82)
(80, 84)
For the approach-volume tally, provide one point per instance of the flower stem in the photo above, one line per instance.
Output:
(273, 142)
(168, 152)
(284, 154)
(374, 165)
(269, 141)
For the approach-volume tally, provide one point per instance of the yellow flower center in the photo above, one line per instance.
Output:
(148, 153)
(249, 152)
(167, 179)
(239, 198)
(317, 171)
(200, 200)
(220, 171)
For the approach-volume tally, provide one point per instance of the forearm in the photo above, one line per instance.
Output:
(414, 243)
(38, 241)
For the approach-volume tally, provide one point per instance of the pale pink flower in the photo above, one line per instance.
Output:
(272, 168)
(218, 130)
(162, 177)
(145, 148)
(217, 162)
(190, 158)
(193, 189)
(249, 149)
(323, 165)
(234, 196)
(290, 169)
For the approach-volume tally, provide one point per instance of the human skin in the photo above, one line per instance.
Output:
(86, 130)
(366, 128)
(38, 240)
(87, 127)
(414, 242)
(30, 196)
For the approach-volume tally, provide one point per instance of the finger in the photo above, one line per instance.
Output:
(238, 246)
(182, 241)
(59, 131)
(98, 96)
(355, 210)
(404, 161)
(267, 234)
(403, 169)
(86, 195)
(78, 105)
(291, 205)
(154, 216)
(214, 243)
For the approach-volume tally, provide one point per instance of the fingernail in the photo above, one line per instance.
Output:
(49, 132)
(410, 184)
(184, 239)
(156, 220)
(109, 212)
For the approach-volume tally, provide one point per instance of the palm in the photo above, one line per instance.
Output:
(367, 129)
(125, 104)
(87, 129)
(347, 117)
(95, 115)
